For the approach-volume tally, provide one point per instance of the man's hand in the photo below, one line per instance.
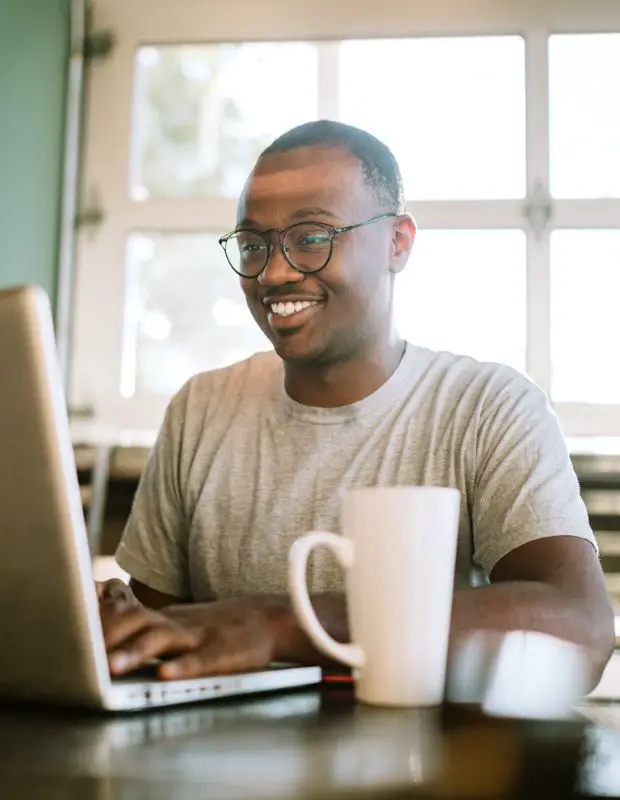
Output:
(197, 640)
(116, 593)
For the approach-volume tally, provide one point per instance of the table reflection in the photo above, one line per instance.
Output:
(307, 744)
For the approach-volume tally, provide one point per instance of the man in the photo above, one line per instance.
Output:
(251, 456)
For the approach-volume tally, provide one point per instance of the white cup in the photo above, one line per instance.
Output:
(398, 549)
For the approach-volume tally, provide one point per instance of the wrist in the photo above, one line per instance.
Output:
(289, 642)
(281, 625)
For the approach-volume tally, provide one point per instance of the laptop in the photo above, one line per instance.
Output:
(51, 643)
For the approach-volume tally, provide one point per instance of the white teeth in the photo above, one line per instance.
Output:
(286, 309)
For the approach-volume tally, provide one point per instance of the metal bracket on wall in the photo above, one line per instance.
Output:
(538, 209)
(99, 45)
(90, 215)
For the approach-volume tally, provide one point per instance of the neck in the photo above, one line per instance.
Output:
(345, 382)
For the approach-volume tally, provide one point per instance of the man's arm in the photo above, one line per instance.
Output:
(552, 585)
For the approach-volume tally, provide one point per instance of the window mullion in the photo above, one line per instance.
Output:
(538, 356)
(328, 80)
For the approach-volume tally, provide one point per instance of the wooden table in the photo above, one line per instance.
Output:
(308, 744)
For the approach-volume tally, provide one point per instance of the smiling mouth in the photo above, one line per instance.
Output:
(285, 318)
(289, 308)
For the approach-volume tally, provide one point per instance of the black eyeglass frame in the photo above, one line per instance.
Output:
(282, 232)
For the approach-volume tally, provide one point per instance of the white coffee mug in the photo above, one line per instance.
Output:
(398, 549)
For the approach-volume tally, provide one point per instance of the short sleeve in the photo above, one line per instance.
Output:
(525, 486)
(153, 549)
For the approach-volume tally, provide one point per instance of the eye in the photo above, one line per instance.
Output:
(251, 247)
(315, 239)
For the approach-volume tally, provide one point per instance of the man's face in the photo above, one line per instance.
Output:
(351, 298)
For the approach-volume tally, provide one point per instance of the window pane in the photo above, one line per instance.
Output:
(585, 324)
(203, 113)
(184, 312)
(464, 291)
(585, 115)
(451, 109)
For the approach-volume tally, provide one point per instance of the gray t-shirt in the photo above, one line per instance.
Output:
(240, 470)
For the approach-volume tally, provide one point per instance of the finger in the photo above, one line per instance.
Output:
(159, 640)
(211, 659)
(190, 665)
(124, 624)
(119, 593)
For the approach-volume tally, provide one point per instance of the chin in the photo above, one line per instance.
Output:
(296, 349)
(287, 352)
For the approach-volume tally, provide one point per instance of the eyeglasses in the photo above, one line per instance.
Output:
(307, 246)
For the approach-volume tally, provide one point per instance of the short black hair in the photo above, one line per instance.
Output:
(379, 166)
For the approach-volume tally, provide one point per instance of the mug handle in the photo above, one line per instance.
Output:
(350, 654)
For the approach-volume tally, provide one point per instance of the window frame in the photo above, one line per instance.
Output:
(97, 339)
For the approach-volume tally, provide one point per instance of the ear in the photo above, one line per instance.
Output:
(402, 242)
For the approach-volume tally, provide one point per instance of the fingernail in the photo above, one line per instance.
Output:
(169, 670)
(119, 662)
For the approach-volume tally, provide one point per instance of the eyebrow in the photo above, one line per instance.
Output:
(301, 213)
(312, 211)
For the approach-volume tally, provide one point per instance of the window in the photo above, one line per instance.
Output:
(585, 292)
(585, 115)
(505, 124)
(199, 124)
(456, 118)
(455, 277)
(184, 312)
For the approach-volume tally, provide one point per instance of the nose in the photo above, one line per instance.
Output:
(277, 270)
